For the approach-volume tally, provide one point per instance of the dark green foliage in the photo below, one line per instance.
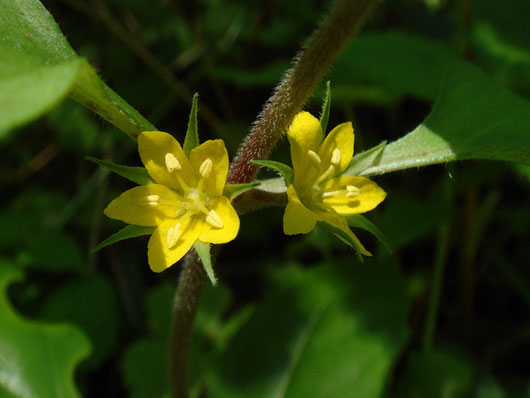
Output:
(293, 316)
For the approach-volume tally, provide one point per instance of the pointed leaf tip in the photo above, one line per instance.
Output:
(203, 250)
(192, 134)
(285, 171)
(138, 175)
(324, 116)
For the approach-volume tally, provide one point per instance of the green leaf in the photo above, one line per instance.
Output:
(379, 66)
(50, 250)
(373, 155)
(145, 364)
(80, 302)
(27, 90)
(324, 117)
(336, 331)
(472, 119)
(93, 93)
(436, 374)
(339, 233)
(38, 68)
(421, 217)
(285, 171)
(192, 134)
(130, 231)
(138, 175)
(203, 250)
(38, 359)
(231, 191)
(359, 221)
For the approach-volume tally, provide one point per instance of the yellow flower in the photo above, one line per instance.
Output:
(317, 192)
(186, 204)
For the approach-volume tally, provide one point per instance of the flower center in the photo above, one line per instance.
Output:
(195, 201)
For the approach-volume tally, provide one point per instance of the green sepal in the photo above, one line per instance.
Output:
(138, 175)
(203, 250)
(285, 171)
(231, 191)
(192, 134)
(343, 236)
(130, 231)
(324, 116)
(357, 164)
(359, 221)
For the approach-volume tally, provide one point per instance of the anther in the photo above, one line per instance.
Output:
(173, 235)
(335, 157)
(331, 193)
(172, 162)
(206, 168)
(214, 220)
(152, 200)
(314, 157)
(353, 189)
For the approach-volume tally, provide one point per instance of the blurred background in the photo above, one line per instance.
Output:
(469, 220)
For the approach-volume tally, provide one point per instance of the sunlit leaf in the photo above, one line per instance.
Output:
(28, 90)
(38, 68)
(37, 359)
(473, 118)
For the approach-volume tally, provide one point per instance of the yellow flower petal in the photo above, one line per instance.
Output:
(230, 220)
(141, 205)
(340, 223)
(364, 194)
(154, 147)
(215, 179)
(341, 138)
(304, 134)
(159, 255)
(297, 219)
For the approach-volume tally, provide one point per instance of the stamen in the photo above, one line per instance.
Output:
(332, 193)
(326, 174)
(182, 183)
(172, 162)
(314, 157)
(173, 235)
(335, 157)
(152, 200)
(206, 168)
(214, 220)
(353, 191)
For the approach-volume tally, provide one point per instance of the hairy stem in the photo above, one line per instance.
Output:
(313, 62)
(191, 283)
